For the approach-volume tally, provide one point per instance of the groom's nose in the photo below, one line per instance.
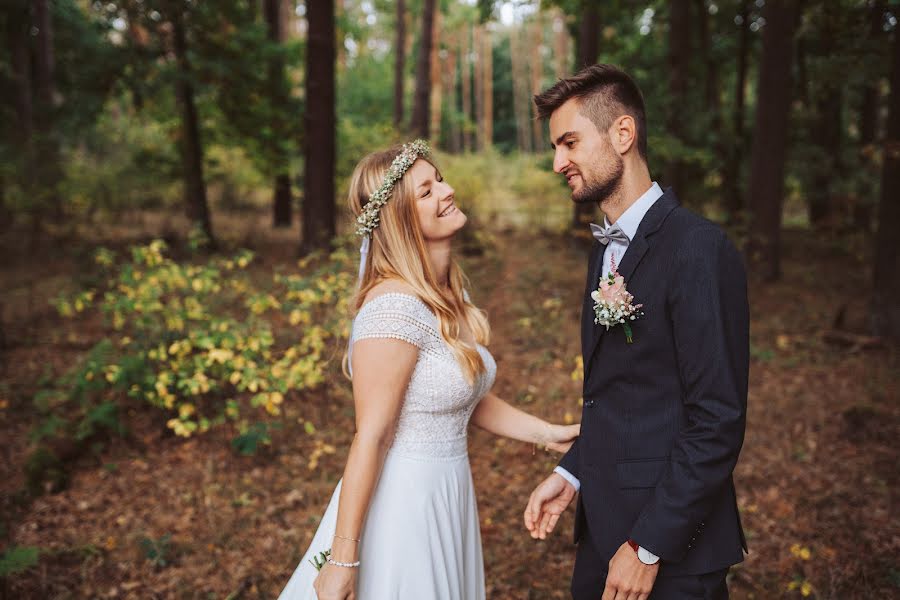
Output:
(560, 160)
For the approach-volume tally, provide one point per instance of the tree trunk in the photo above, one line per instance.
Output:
(48, 171)
(399, 63)
(434, 125)
(711, 98)
(340, 56)
(465, 74)
(454, 135)
(886, 272)
(20, 137)
(679, 58)
(17, 24)
(826, 133)
(197, 208)
(520, 87)
(589, 36)
(537, 72)
(734, 198)
(422, 98)
(478, 44)
(289, 19)
(282, 202)
(588, 49)
(770, 137)
(44, 63)
(560, 46)
(704, 36)
(488, 87)
(868, 131)
(319, 124)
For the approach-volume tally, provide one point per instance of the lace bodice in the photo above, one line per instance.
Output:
(439, 401)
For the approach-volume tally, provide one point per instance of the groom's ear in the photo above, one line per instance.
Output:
(623, 134)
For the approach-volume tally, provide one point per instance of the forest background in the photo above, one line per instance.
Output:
(178, 259)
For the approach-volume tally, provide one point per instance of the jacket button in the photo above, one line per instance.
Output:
(589, 403)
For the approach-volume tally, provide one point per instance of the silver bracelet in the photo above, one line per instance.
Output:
(343, 564)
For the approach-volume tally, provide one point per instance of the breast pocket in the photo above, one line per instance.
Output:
(641, 472)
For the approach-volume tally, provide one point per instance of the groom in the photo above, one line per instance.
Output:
(663, 417)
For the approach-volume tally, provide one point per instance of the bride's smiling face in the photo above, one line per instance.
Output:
(439, 217)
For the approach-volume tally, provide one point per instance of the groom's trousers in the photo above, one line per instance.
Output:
(590, 579)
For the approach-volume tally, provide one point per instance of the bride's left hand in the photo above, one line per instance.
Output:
(562, 436)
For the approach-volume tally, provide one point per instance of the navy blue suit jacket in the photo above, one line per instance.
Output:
(663, 418)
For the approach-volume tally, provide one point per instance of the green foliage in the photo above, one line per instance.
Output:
(517, 191)
(17, 559)
(197, 342)
(355, 141)
(248, 442)
(157, 551)
(86, 68)
(44, 471)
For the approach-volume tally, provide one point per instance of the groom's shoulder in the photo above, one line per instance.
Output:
(695, 233)
(684, 222)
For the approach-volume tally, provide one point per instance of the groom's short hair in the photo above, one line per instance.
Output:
(605, 93)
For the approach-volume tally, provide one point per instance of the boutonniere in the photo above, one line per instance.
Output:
(613, 305)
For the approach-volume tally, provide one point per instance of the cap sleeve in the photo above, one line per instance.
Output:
(398, 316)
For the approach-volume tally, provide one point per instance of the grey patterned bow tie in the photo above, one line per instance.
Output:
(605, 235)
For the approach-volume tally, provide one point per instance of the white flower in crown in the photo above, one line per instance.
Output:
(368, 220)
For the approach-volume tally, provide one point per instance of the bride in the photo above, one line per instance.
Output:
(402, 522)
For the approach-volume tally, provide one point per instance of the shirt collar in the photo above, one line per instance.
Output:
(632, 217)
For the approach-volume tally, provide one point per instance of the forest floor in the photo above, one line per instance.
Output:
(818, 471)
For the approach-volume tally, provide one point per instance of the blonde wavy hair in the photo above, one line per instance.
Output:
(397, 252)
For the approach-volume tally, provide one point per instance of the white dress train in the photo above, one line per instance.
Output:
(421, 539)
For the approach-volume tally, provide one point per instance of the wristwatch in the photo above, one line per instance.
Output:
(644, 555)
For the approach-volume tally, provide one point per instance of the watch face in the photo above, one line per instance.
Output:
(646, 557)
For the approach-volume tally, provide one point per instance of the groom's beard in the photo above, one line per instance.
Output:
(601, 190)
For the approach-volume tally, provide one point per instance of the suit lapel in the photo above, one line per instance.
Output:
(587, 310)
(635, 252)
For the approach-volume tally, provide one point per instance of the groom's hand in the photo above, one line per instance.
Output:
(629, 578)
(547, 502)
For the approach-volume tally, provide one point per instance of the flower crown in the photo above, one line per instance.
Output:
(368, 220)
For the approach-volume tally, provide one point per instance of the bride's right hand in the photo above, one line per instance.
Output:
(336, 583)
(562, 436)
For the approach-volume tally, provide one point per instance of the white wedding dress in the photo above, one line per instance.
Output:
(421, 539)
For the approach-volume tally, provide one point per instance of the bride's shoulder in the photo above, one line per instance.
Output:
(394, 296)
(389, 287)
(392, 309)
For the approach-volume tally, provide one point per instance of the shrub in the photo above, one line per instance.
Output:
(198, 342)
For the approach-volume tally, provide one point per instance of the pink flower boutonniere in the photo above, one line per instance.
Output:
(613, 305)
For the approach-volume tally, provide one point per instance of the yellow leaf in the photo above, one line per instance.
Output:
(783, 342)
(220, 355)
